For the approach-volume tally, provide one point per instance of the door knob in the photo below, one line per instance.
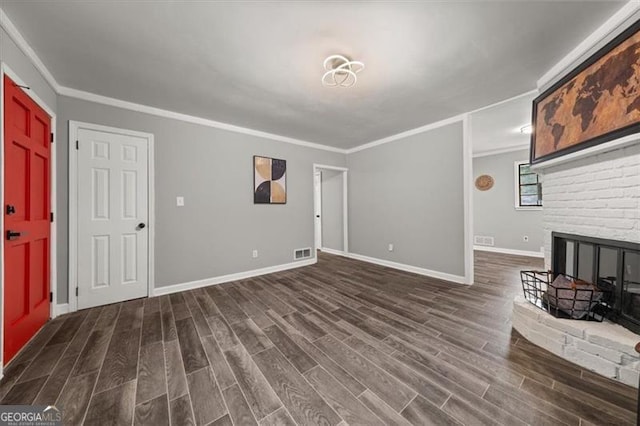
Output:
(141, 225)
(11, 209)
(317, 215)
(12, 235)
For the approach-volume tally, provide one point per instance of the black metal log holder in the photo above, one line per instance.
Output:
(579, 303)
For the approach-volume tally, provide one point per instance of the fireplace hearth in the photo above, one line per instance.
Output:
(613, 266)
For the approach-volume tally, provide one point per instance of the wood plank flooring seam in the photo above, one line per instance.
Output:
(197, 306)
(31, 360)
(179, 352)
(234, 384)
(164, 367)
(311, 356)
(445, 402)
(304, 378)
(284, 356)
(137, 379)
(244, 394)
(76, 362)
(412, 399)
(77, 356)
(99, 372)
(282, 405)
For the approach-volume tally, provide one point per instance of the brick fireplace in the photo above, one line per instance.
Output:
(595, 196)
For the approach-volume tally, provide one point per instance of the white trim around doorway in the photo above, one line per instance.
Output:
(74, 126)
(345, 203)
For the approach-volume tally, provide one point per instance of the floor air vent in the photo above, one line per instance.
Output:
(479, 240)
(303, 253)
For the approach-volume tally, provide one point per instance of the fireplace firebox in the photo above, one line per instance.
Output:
(611, 265)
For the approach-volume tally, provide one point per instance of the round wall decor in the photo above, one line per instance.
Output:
(484, 182)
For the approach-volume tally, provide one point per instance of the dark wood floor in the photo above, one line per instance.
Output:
(340, 342)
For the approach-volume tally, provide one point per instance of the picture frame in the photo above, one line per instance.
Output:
(590, 105)
(269, 180)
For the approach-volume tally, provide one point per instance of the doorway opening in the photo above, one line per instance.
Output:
(330, 208)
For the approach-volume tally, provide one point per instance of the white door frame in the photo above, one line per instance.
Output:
(5, 70)
(74, 127)
(317, 209)
(345, 206)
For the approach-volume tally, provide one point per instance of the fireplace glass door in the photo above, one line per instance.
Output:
(631, 285)
(614, 266)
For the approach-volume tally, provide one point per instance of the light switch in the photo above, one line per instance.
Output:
(180, 201)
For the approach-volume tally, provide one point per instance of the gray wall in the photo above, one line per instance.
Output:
(219, 226)
(494, 212)
(332, 210)
(24, 68)
(410, 193)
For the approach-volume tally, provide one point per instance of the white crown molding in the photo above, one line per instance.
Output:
(20, 41)
(22, 44)
(611, 25)
(504, 101)
(175, 288)
(435, 125)
(118, 103)
(402, 135)
(510, 251)
(504, 150)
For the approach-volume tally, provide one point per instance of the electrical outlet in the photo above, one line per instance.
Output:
(180, 201)
(525, 238)
(391, 247)
(254, 254)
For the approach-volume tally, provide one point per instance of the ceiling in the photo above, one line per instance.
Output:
(259, 64)
(498, 127)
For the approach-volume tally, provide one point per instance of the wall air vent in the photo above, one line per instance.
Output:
(303, 253)
(479, 240)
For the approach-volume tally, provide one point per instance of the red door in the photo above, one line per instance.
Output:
(27, 223)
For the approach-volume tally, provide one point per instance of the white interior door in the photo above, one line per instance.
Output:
(113, 212)
(317, 203)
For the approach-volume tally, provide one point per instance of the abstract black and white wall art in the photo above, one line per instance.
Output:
(269, 180)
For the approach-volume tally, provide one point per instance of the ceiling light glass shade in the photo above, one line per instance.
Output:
(341, 71)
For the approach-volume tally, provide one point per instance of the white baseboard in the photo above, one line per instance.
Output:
(510, 251)
(409, 268)
(333, 251)
(175, 288)
(60, 309)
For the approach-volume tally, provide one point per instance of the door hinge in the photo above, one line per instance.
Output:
(51, 215)
(77, 145)
(51, 137)
(50, 296)
(76, 291)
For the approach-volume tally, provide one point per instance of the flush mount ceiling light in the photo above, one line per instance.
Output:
(341, 71)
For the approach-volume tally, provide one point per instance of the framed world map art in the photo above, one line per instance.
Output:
(597, 102)
(269, 180)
